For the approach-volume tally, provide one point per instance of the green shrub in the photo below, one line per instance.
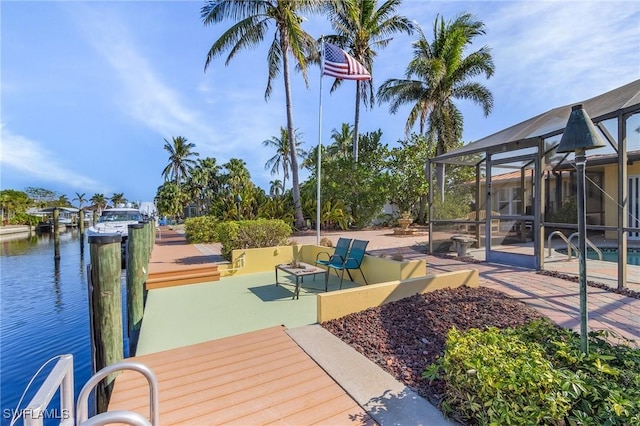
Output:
(536, 374)
(201, 229)
(245, 234)
(24, 219)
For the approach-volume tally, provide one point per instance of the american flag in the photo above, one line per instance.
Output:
(339, 64)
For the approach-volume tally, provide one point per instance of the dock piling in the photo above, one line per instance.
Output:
(106, 306)
(56, 233)
(136, 267)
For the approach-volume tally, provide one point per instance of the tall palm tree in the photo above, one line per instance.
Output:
(282, 159)
(362, 28)
(251, 21)
(438, 74)
(80, 199)
(180, 159)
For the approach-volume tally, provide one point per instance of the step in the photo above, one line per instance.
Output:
(194, 269)
(182, 279)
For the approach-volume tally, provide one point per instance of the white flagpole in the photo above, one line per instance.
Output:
(319, 165)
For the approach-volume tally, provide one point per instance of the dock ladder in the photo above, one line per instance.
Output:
(61, 376)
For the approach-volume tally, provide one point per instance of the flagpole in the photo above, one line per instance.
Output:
(319, 165)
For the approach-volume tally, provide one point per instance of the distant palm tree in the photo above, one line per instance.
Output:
(438, 74)
(276, 188)
(342, 141)
(99, 200)
(251, 21)
(118, 198)
(282, 158)
(180, 161)
(80, 199)
(361, 29)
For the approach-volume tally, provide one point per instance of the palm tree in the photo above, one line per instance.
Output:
(180, 161)
(342, 141)
(99, 200)
(118, 198)
(361, 29)
(80, 199)
(282, 159)
(276, 188)
(438, 74)
(251, 21)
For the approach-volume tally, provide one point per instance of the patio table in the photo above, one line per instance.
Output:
(303, 270)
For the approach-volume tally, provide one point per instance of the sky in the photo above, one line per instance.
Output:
(90, 90)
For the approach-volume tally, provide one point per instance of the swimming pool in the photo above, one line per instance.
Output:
(611, 255)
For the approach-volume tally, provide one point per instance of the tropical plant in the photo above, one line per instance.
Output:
(342, 141)
(251, 21)
(99, 200)
(204, 183)
(180, 159)
(362, 28)
(170, 199)
(80, 198)
(12, 203)
(118, 198)
(282, 158)
(438, 74)
(276, 188)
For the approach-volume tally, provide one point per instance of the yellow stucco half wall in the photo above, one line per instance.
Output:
(376, 269)
(337, 304)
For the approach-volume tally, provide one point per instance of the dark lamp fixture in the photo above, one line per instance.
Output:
(580, 133)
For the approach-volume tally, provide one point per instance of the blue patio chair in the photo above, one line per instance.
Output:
(352, 261)
(339, 254)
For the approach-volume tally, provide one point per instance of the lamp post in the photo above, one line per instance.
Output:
(579, 135)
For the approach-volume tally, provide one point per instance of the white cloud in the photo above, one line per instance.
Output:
(36, 161)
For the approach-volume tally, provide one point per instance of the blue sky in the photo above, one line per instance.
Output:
(90, 89)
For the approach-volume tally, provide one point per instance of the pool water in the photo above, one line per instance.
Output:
(611, 255)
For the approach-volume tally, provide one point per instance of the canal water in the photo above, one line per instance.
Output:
(44, 313)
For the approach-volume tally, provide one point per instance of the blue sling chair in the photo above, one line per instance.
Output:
(340, 253)
(353, 260)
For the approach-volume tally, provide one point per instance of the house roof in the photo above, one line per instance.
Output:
(623, 100)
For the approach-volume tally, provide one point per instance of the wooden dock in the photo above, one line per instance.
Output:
(257, 378)
(175, 262)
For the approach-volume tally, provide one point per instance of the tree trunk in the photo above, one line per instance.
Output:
(356, 124)
(295, 184)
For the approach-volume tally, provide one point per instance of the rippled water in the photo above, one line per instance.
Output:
(44, 313)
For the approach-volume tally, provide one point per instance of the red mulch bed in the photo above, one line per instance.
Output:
(406, 336)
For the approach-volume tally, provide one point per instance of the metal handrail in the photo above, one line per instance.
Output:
(561, 235)
(61, 376)
(589, 243)
(117, 416)
(82, 407)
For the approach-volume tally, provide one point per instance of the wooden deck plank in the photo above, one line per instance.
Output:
(261, 377)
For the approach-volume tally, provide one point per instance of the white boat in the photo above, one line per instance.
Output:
(116, 221)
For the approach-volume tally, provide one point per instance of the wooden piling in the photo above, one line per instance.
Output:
(105, 302)
(56, 233)
(81, 221)
(136, 267)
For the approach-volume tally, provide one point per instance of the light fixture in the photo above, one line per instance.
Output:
(579, 135)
